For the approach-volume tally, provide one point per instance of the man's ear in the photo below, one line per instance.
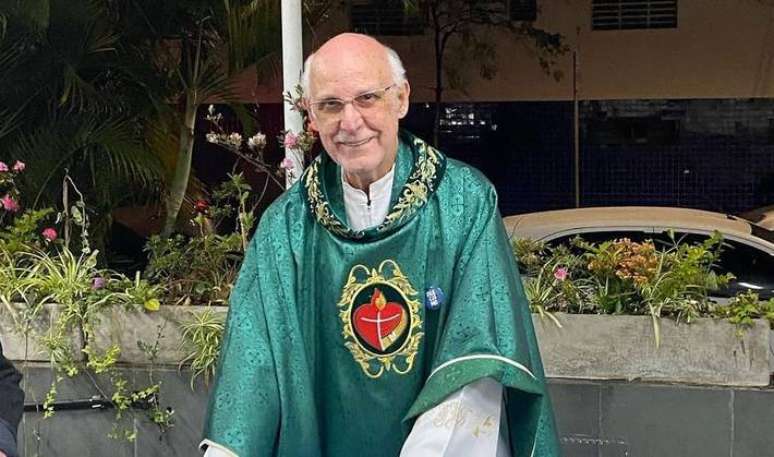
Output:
(403, 98)
(312, 122)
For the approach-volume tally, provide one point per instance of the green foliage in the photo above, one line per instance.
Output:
(202, 269)
(23, 233)
(202, 335)
(104, 94)
(138, 292)
(38, 270)
(71, 103)
(623, 277)
(746, 306)
(199, 270)
(101, 364)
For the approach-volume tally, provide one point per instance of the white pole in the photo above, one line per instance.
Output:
(292, 61)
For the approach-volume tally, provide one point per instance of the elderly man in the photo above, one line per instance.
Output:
(11, 406)
(379, 310)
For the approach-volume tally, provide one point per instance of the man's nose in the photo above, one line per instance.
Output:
(351, 119)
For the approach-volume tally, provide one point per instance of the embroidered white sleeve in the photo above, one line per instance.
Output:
(466, 423)
(214, 450)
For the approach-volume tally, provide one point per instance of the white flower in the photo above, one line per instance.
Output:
(211, 109)
(235, 139)
(257, 141)
(212, 137)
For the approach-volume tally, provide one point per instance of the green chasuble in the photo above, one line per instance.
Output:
(337, 340)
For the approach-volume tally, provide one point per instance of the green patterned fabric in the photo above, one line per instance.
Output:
(330, 349)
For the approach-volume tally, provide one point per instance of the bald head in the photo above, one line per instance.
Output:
(354, 43)
(356, 50)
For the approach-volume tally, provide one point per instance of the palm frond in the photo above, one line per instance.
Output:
(3, 26)
(118, 141)
(254, 31)
(96, 151)
(164, 142)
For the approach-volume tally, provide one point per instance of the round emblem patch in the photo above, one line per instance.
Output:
(381, 319)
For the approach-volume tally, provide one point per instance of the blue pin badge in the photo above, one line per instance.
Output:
(434, 298)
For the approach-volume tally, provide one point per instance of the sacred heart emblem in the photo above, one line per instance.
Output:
(381, 319)
(380, 323)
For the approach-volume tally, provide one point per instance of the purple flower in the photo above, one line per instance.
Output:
(3, 167)
(19, 166)
(560, 273)
(98, 283)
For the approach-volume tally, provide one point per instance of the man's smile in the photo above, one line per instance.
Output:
(354, 144)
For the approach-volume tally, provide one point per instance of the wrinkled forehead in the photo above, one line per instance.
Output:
(348, 72)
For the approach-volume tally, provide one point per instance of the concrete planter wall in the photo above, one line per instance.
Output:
(117, 327)
(594, 417)
(587, 347)
(707, 351)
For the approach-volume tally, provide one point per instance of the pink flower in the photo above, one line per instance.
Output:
(290, 141)
(3, 167)
(19, 166)
(287, 163)
(9, 204)
(560, 273)
(49, 234)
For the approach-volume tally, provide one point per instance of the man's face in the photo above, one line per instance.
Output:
(355, 107)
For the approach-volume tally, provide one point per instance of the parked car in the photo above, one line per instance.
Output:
(748, 251)
(761, 216)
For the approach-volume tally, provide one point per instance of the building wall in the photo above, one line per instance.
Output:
(698, 101)
(720, 49)
(594, 418)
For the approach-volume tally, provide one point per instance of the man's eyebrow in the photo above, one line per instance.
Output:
(357, 94)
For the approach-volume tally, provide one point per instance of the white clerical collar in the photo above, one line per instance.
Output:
(366, 211)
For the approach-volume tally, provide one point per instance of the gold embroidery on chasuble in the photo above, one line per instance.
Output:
(380, 316)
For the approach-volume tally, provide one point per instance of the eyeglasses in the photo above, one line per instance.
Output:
(330, 109)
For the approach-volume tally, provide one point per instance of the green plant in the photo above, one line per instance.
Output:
(744, 307)
(542, 292)
(622, 277)
(138, 292)
(531, 254)
(201, 269)
(39, 269)
(203, 335)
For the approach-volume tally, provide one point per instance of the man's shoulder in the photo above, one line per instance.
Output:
(288, 207)
(455, 173)
(467, 181)
(461, 173)
(289, 203)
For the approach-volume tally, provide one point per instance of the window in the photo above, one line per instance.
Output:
(466, 122)
(385, 17)
(633, 14)
(497, 10)
(523, 10)
(633, 131)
